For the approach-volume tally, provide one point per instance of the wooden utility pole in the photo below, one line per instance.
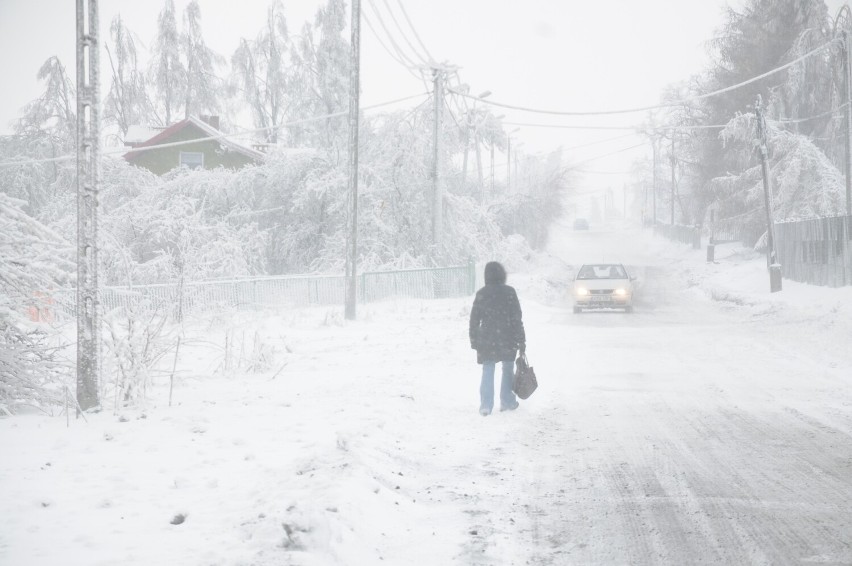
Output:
(509, 163)
(468, 128)
(847, 75)
(674, 162)
(492, 166)
(771, 259)
(654, 188)
(354, 91)
(477, 140)
(88, 161)
(437, 194)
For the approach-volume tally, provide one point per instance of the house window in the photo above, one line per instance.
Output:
(192, 159)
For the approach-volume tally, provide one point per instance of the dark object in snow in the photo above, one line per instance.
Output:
(178, 519)
(525, 381)
(497, 334)
(496, 326)
(581, 224)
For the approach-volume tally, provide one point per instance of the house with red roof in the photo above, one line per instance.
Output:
(196, 143)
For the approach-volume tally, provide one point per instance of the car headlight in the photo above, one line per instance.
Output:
(582, 292)
(621, 292)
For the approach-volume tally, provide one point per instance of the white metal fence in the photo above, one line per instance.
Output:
(281, 291)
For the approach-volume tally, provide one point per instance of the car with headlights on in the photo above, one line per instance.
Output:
(603, 286)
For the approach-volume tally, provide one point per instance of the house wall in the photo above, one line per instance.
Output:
(161, 161)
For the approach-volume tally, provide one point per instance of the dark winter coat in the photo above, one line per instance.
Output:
(496, 326)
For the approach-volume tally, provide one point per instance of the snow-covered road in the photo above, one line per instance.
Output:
(711, 426)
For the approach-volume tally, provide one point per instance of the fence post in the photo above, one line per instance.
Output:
(847, 261)
(471, 275)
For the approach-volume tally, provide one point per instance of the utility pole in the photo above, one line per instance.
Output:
(847, 67)
(437, 195)
(468, 127)
(509, 164)
(492, 166)
(88, 161)
(354, 91)
(476, 140)
(654, 188)
(771, 259)
(674, 162)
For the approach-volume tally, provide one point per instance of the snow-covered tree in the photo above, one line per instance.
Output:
(46, 130)
(756, 37)
(164, 229)
(34, 262)
(127, 101)
(805, 184)
(321, 82)
(261, 73)
(167, 71)
(202, 83)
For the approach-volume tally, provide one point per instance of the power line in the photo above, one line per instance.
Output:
(595, 158)
(600, 141)
(673, 104)
(219, 137)
(416, 35)
(587, 172)
(411, 63)
(622, 128)
(665, 128)
(822, 115)
(404, 35)
(393, 56)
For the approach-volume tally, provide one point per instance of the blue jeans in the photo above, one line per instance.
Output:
(486, 388)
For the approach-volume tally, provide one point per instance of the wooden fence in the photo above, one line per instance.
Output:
(817, 251)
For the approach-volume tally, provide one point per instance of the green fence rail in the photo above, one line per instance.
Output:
(254, 293)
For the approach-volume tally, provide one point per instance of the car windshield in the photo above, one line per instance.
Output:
(607, 271)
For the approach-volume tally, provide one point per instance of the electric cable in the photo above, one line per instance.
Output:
(396, 58)
(139, 149)
(576, 166)
(404, 35)
(622, 128)
(673, 104)
(822, 115)
(404, 56)
(416, 35)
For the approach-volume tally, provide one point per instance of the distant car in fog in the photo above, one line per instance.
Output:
(603, 286)
(581, 224)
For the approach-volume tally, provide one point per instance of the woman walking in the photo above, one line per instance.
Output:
(496, 333)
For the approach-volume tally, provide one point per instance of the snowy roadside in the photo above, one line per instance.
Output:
(346, 449)
(359, 442)
(738, 280)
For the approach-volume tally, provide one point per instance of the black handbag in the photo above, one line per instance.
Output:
(525, 381)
